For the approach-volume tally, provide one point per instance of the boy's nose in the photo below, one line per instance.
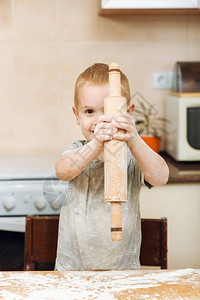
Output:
(94, 125)
(95, 122)
(96, 119)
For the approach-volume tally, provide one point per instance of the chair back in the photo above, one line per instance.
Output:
(154, 242)
(40, 241)
(42, 234)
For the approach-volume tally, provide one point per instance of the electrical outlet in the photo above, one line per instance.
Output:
(162, 80)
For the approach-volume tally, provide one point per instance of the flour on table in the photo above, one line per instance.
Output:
(87, 285)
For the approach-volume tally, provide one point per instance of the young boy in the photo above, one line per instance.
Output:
(84, 241)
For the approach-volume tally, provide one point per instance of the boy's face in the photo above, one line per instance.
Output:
(90, 108)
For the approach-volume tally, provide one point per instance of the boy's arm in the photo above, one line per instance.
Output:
(153, 166)
(74, 162)
(71, 164)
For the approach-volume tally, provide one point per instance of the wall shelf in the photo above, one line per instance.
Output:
(138, 7)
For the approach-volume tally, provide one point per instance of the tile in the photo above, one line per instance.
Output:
(193, 39)
(35, 72)
(84, 24)
(41, 131)
(34, 20)
(6, 132)
(6, 20)
(193, 30)
(6, 74)
(77, 20)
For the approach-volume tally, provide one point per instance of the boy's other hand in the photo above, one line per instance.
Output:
(126, 123)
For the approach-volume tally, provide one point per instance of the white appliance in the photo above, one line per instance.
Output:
(183, 112)
(183, 138)
(28, 185)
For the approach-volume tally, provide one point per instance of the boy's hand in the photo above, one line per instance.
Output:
(125, 122)
(104, 130)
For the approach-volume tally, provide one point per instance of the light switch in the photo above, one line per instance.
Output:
(162, 80)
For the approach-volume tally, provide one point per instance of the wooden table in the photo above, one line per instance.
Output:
(129, 284)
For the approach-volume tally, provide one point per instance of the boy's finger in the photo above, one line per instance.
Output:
(105, 118)
(122, 114)
(104, 137)
(126, 116)
(123, 120)
(121, 137)
(104, 125)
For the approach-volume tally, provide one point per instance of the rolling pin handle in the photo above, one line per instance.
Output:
(116, 221)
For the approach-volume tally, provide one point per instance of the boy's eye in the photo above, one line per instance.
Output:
(89, 111)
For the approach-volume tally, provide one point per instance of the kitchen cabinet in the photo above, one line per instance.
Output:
(112, 7)
(179, 203)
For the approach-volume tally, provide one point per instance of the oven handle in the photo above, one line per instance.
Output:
(15, 224)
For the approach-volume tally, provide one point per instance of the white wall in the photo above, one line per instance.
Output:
(180, 203)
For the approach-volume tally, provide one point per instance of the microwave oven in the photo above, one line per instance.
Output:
(183, 137)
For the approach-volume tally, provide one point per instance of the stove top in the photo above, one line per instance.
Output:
(27, 167)
(28, 185)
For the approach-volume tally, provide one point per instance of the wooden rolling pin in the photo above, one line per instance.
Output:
(115, 156)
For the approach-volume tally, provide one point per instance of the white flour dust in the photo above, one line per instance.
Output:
(86, 285)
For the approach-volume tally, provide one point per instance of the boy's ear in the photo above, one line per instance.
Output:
(75, 111)
(130, 108)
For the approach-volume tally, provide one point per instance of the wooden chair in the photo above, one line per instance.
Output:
(40, 242)
(42, 233)
(154, 243)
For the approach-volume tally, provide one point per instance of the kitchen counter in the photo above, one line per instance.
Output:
(27, 167)
(120, 284)
(22, 167)
(182, 172)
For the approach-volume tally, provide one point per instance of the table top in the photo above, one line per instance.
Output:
(119, 284)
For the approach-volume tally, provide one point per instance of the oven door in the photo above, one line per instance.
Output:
(12, 234)
(15, 224)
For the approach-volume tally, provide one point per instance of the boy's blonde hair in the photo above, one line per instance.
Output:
(97, 74)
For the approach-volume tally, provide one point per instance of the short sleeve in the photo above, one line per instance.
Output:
(75, 145)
